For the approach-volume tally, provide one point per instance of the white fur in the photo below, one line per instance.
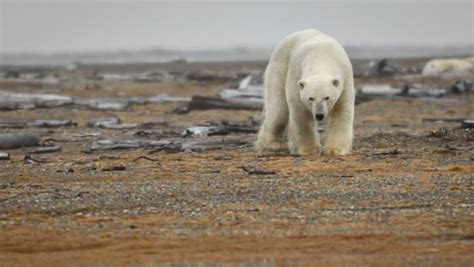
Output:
(463, 67)
(312, 60)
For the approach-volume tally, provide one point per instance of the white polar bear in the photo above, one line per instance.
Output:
(308, 81)
(463, 67)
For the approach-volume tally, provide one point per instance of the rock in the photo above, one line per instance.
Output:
(468, 124)
(381, 67)
(4, 155)
(461, 86)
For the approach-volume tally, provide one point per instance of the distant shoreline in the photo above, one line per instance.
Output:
(222, 55)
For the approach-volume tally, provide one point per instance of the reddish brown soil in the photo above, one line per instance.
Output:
(364, 209)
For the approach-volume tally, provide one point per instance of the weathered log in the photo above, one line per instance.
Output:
(216, 130)
(47, 149)
(212, 145)
(16, 140)
(9, 101)
(52, 123)
(206, 103)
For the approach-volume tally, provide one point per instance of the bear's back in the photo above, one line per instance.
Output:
(321, 46)
(289, 44)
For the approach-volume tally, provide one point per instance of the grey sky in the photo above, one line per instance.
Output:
(49, 26)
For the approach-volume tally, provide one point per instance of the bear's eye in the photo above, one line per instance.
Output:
(311, 99)
(335, 82)
(326, 98)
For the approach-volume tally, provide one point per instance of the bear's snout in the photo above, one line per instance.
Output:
(319, 116)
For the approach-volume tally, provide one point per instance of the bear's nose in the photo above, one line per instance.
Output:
(319, 116)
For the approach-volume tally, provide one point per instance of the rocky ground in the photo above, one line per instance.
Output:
(403, 197)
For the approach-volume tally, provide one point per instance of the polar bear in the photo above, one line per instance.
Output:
(308, 81)
(457, 67)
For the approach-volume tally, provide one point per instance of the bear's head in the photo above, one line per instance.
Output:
(320, 94)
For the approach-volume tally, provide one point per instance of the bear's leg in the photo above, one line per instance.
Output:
(338, 136)
(302, 133)
(271, 133)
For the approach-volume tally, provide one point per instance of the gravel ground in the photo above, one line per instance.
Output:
(403, 197)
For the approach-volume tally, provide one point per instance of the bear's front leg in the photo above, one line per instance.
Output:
(338, 136)
(303, 138)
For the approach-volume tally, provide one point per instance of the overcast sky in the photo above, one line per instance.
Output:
(50, 26)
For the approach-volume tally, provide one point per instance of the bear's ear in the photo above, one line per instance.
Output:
(335, 82)
(301, 85)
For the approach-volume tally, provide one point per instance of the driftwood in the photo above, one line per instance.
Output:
(152, 124)
(212, 145)
(10, 101)
(146, 158)
(199, 146)
(206, 103)
(13, 101)
(216, 130)
(377, 91)
(443, 119)
(30, 160)
(37, 123)
(208, 76)
(52, 123)
(16, 140)
(252, 171)
(384, 154)
(117, 167)
(100, 122)
(104, 104)
(120, 126)
(13, 124)
(47, 149)
(107, 144)
(155, 134)
(111, 123)
(116, 124)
